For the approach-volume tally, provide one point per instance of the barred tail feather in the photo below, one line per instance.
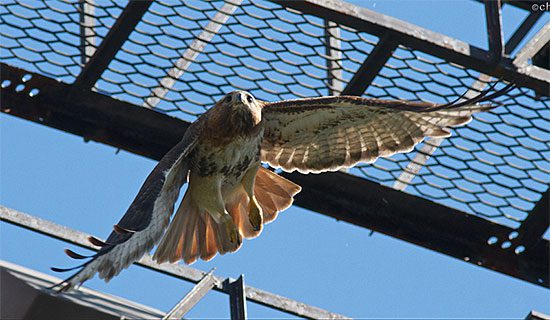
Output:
(193, 234)
(274, 193)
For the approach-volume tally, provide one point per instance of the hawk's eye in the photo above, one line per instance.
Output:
(227, 99)
(249, 99)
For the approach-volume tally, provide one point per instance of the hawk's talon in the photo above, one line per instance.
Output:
(255, 215)
(231, 230)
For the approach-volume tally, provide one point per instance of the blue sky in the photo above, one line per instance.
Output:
(302, 255)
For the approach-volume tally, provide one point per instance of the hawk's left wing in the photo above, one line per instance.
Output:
(330, 133)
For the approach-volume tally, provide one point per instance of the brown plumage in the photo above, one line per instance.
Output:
(230, 196)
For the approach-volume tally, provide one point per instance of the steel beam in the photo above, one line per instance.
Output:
(493, 18)
(345, 197)
(369, 69)
(534, 45)
(535, 225)
(186, 273)
(237, 298)
(89, 114)
(535, 315)
(419, 221)
(333, 49)
(87, 32)
(522, 31)
(192, 297)
(124, 25)
(415, 37)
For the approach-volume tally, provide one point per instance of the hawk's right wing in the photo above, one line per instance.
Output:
(145, 220)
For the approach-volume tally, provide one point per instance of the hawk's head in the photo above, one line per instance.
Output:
(244, 110)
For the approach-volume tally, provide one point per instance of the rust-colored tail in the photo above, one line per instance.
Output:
(193, 234)
(274, 193)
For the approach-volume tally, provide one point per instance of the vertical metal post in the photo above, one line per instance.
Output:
(493, 19)
(87, 32)
(237, 298)
(334, 58)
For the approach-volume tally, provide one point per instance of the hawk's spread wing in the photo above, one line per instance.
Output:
(329, 133)
(145, 220)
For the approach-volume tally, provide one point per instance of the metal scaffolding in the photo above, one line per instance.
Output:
(133, 75)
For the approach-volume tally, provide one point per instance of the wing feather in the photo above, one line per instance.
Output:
(145, 220)
(329, 133)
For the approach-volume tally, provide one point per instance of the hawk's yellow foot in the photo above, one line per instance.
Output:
(231, 230)
(255, 215)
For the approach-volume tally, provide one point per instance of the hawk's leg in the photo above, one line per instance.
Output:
(206, 191)
(254, 209)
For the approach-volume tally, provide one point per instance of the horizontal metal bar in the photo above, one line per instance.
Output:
(344, 197)
(113, 41)
(89, 114)
(192, 297)
(419, 221)
(186, 273)
(418, 38)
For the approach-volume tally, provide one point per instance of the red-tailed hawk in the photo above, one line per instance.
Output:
(231, 196)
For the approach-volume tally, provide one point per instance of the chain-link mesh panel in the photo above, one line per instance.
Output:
(183, 56)
(49, 37)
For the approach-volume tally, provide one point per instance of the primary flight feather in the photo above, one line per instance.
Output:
(231, 196)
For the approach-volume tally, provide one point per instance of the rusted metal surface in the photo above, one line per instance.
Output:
(79, 238)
